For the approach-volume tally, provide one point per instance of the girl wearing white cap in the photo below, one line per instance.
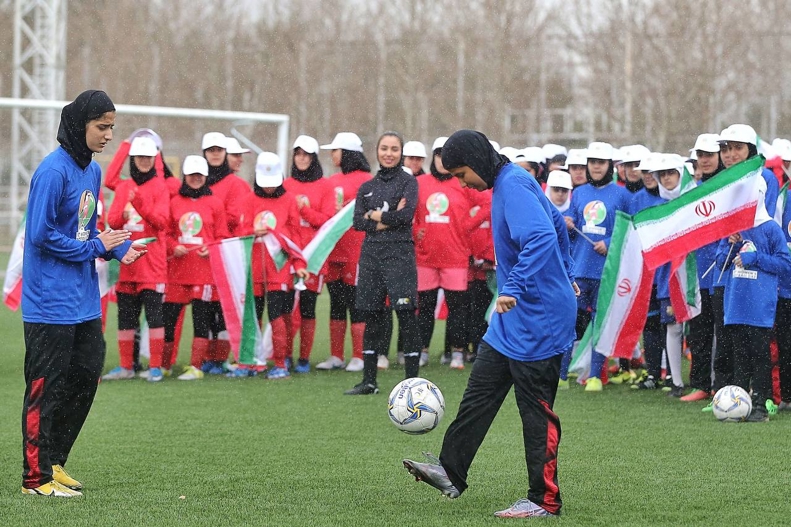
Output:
(315, 199)
(592, 218)
(577, 166)
(271, 208)
(197, 218)
(142, 207)
(414, 157)
(347, 154)
(235, 154)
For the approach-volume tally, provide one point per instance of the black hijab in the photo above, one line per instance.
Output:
(634, 186)
(433, 168)
(259, 191)
(141, 177)
(606, 180)
(352, 161)
(473, 149)
(189, 192)
(313, 173)
(88, 105)
(217, 174)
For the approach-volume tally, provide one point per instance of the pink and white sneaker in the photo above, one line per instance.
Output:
(523, 508)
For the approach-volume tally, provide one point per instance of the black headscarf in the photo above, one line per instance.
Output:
(606, 180)
(352, 161)
(720, 168)
(88, 105)
(189, 192)
(634, 186)
(473, 149)
(140, 177)
(433, 168)
(259, 191)
(217, 174)
(653, 191)
(314, 172)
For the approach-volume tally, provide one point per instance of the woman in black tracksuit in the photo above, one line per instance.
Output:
(384, 210)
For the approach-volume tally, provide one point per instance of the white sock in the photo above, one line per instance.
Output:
(673, 347)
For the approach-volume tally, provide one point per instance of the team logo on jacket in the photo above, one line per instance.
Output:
(84, 214)
(303, 201)
(437, 205)
(748, 247)
(740, 272)
(265, 220)
(190, 225)
(595, 213)
(133, 219)
(339, 196)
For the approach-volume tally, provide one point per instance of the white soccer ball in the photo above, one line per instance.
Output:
(416, 406)
(731, 404)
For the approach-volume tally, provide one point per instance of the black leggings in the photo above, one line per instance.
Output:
(203, 316)
(130, 306)
(342, 301)
(376, 336)
(307, 305)
(478, 298)
(279, 303)
(455, 330)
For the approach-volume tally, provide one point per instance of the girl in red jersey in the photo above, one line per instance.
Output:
(197, 218)
(480, 276)
(441, 228)
(315, 199)
(347, 153)
(272, 208)
(141, 206)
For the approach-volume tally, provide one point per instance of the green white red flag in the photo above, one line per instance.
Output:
(281, 248)
(685, 288)
(12, 284)
(782, 200)
(319, 248)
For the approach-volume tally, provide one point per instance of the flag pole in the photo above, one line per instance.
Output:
(584, 236)
(709, 269)
(726, 262)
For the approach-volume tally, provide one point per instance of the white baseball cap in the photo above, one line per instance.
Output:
(576, 156)
(232, 146)
(598, 150)
(633, 153)
(783, 148)
(213, 139)
(707, 143)
(345, 141)
(693, 154)
(648, 163)
(439, 142)
(559, 178)
(495, 145)
(532, 154)
(306, 143)
(143, 146)
(195, 165)
(268, 170)
(146, 132)
(739, 133)
(551, 150)
(668, 162)
(510, 152)
(414, 149)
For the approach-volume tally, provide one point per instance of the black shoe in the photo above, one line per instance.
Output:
(471, 357)
(676, 391)
(434, 475)
(758, 415)
(649, 383)
(363, 388)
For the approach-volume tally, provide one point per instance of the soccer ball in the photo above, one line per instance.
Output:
(416, 406)
(731, 404)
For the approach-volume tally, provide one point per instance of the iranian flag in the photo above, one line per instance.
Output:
(319, 248)
(12, 285)
(684, 288)
(782, 199)
(582, 355)
(709, 212)
(281, 248)
(624, 293)
(231, 265)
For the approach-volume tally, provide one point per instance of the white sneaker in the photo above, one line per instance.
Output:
(457, 360)
(400, 356)
(445, 358)
(333, 363)
(382, 362)
(191, 374)
(118, 373)
(355, 364)
(143, 374)
(423, 358)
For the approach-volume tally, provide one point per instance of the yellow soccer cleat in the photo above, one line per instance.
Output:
(593, 384)
(563, 385)
(54, 489)
(61, 476)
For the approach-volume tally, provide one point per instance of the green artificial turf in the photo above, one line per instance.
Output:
(298, 452)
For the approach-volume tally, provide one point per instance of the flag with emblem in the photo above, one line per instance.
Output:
(12, 284)
(281, 248)
(709, 212)
(624, 293)
(319, 248)
(782, 198)
(231, 265)
(685, 288)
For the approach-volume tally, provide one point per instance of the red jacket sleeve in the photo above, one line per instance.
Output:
(112, 177)
(292, 229)
(247, 218)
(153, 206)
(325, 210)
(115, 217)
(221, 230)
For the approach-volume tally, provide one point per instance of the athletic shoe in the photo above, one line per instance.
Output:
(118, 373)
(332, 363)
(303, 366)
(54, 489)
(363, 389)
(708, 408)
(143, 374)
(623, 377)
(457, 362)
(423, 359)
(593, 384)
(60, 475)
(432, 473)
(646, 384)
(278, 373)
(356, 364)
(695, 395)
(445, 359)
(667, 385)
(676, 391)
(471, 357)
(758, 415)
(643, 375)
(523, 508)
(563, 385)
(155, 375)
(216, 368)
(784, 406)
(382, 362)
(402, 361)
(239, 372)
(289, 363)
(206, 366)
(771, 407)
(191, 374)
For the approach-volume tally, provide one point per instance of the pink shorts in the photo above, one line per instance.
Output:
(452, 279)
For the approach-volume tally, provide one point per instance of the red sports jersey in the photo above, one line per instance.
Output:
(318, 205)
(481, 241)
(345, 188)
(280, 214)
(442, 223)
(148, 216)
(173, 184)
(231, 191)
(194, 223)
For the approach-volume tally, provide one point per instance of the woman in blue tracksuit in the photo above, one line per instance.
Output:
(64, 344)
(592, 212)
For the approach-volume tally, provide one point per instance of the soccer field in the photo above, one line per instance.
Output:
(298, 452)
